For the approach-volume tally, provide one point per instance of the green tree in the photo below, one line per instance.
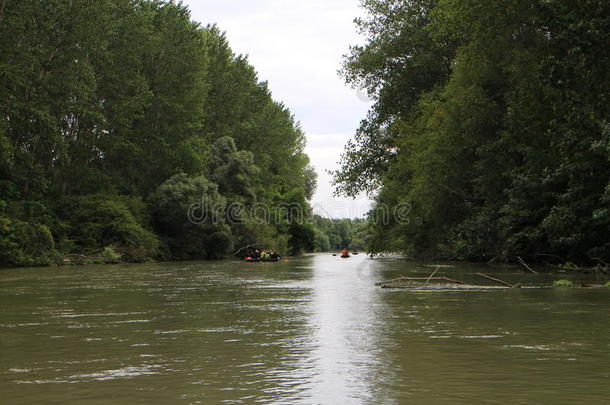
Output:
(101, 101)
(234, 171)
(189, 214)
(490, 122)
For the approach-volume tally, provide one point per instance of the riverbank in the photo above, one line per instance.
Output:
(112, 256)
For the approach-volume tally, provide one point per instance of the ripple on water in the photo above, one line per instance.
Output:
(120, 373)
(482, 337)
(66, 314)
(216, 330)
(22, 325)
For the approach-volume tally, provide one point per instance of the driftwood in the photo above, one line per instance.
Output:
(432, 275)
(497, 280)
(425, 280)
(246, 247)
(447, 279)
(526, 266)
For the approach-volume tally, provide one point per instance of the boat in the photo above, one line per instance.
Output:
(271, 259)
(251, 259)
(345, 256)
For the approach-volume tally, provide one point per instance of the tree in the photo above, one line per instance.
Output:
(233, 170)
(102, 101)
(189, 214)
(489, 122)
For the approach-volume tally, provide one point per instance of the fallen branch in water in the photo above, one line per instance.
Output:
(447, 279)
(497, 280)
(247, 247)
(526, 266)
(432, 275)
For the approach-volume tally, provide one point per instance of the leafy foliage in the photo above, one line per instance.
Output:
(93, 222)
(188, 213)
(25, 244)
(104, 103)
(491, 122)
(562, 283)
(336, 234)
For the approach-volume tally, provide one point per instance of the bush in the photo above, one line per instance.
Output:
(562, 283)
(109, 255)
(93, 222)
(25, 244)
(189, 214)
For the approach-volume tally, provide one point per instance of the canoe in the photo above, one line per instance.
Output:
(252, 259)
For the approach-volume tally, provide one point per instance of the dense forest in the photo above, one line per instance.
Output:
(116, 116)
(336, 234)
(491, 123)
(490, 130)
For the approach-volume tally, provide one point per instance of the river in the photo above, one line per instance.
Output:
(311, 330)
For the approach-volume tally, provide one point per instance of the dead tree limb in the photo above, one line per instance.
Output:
(432, 275)
(247, 247)
(497, 280)
(526, 266)
(424, 279)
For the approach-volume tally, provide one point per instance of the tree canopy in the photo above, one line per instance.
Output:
(116, 116)
(490, 122)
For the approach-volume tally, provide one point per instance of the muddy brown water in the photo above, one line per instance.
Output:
(311, 330)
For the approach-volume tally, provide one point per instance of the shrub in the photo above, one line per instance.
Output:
(94, 222)
(189, 214)
(562, 283)
(25, 243)
(109, 255)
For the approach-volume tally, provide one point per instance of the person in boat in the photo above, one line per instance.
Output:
(344, 252)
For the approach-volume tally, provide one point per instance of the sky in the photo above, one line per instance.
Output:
(298, 47)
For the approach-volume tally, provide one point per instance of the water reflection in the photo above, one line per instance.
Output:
(346, 332)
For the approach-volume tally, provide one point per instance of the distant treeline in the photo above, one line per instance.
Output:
(491, 122)
(116, 116)
(336, 234)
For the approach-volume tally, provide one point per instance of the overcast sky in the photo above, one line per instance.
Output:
(297, 46)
